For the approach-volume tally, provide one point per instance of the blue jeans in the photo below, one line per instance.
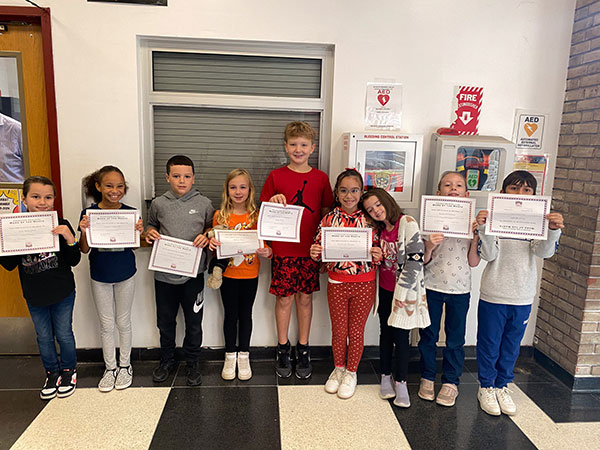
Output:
(457, 306)
(500, 329)
(55, 321)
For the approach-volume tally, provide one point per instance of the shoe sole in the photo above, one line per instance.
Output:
(106, 389)
(508, 413)
(244, 378)
(65, 394)
(228, 378)
(447, 405)
(120, 388)
(283, 375)
(387, 397)
(427, 398)
(303, 377)
(48, 396)
(402, 405)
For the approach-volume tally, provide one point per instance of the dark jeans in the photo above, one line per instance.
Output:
(168, 299)
(500, 329)
(238, 299)
(457, 306)
(390, 337)
(55, 321)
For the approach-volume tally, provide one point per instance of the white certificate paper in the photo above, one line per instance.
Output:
(112, 228)
(30, 232)
(451, 216)
(346, 244)
(237, 242)
(176, 256)
(519, 216)
(279, 223)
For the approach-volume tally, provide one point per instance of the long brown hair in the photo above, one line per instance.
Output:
(393, 212)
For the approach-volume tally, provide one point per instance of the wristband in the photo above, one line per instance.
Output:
(73, 244)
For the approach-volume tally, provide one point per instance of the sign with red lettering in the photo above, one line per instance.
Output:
(468, 108)
(384, 105)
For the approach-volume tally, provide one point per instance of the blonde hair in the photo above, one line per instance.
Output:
(226, 203)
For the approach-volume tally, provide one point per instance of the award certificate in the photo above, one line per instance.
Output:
(279, 223)
(237, 242)
(112, 228)
(451, 216)
(346, 244)
(30, 232)
(518, 216)
(176, 256)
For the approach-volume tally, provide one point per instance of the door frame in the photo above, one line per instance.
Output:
(42, 17)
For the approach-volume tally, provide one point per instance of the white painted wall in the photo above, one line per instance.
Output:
(517, 50)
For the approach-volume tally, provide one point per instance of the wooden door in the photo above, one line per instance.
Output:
(27, 39)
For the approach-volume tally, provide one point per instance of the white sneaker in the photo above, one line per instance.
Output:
(244, 370)
(488, 401)
(507, 406)
(334, 380)
(228, 372)
(348, 385)
(124, 377)
(107, 382)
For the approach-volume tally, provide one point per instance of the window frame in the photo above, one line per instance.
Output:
(149, 98)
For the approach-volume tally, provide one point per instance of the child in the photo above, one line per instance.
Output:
(113, 285)
(295, 276)
(508, 288)
(184, 213)
(351, 287)
(402, 302)
(449, 288)
(240, 278)
(49, 289)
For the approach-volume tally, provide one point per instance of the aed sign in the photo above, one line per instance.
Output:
(529, 130)
(467, 109)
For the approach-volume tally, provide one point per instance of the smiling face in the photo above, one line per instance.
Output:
(112, 188)
(375, 209)
(453, 185)
(348, 193)
(299, 150)
(181, 179)
(238, 190)
(40, 197)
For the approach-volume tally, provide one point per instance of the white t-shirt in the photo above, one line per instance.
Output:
(449, 271)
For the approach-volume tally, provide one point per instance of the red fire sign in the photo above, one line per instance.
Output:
(469, 100)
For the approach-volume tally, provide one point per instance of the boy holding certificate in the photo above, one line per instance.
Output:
(184, 213)
(508, 288)
(295, 276)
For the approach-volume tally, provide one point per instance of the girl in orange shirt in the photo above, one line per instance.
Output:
(240, 278)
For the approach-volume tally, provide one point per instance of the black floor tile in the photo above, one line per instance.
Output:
(562, 405)
(17, 410)
(528, 371)
(219, 418)
(464, 426)
(263, 374)
(321, 371)
(21, 373)
(89, 374)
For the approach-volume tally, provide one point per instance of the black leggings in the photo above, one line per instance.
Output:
(238, 299)
(390, 336)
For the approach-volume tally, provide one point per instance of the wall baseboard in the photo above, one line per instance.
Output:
(576, 384)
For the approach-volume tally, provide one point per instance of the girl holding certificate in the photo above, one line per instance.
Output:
(350, 288)
(402, 302)
(112, 282)
(240, 278)
(49, 289)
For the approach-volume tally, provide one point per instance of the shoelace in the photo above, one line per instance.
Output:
(490, 394)
(505, 393)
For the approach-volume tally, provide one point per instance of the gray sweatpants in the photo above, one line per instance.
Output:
(113, 303)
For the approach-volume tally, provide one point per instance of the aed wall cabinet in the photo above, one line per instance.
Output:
(484, 160)
(391, 161)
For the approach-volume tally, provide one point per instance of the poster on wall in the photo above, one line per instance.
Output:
(383, 106)
(537, 165)
(10, 201)
(140, 2)
(467, 109)
(528, 131)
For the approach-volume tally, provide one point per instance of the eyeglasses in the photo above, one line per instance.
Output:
(353, 191)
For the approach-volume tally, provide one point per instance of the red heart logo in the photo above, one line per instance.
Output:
(383, 99)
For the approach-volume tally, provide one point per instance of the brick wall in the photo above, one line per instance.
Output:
(568, 323)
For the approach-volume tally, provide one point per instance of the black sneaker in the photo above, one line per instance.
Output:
(303, 365)
(283, 368)
(50, 388)
(68, 382)
(161, 373)
(192, 371)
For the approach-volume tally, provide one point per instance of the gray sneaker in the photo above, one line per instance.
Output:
(107, 382)
(386, 388)
(124, 377)
(402, 399)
